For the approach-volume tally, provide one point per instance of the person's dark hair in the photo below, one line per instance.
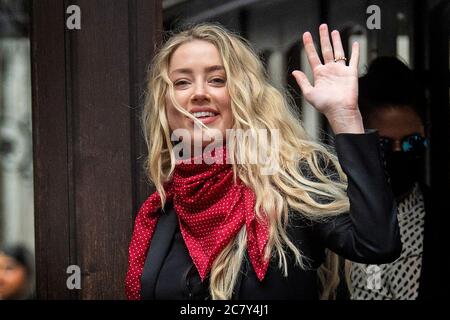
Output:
(25, 258)
(389, 82)
(21, 255)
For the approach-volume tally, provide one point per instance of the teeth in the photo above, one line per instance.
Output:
(203, 114)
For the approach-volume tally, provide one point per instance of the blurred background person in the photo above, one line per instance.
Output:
(16, 273)
(392, 101)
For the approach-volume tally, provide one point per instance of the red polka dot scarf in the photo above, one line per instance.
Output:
(211, 210)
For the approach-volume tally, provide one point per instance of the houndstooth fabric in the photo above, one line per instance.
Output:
(398, 280)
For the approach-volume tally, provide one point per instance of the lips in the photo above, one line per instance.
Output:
(205, 115)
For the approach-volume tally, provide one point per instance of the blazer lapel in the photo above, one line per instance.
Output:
(157, 252)
(242, 272)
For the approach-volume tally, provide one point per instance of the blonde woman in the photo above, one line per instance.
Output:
(229, 229)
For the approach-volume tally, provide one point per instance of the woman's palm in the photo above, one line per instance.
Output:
(335, 87)
(334, 84)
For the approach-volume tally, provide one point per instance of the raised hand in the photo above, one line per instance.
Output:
(335, 89)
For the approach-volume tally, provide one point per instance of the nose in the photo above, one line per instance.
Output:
(200, 93)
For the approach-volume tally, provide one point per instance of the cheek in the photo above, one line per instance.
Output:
(229, 118)
(170, 115)
(16, 278)
(174, 117)
(228, 114)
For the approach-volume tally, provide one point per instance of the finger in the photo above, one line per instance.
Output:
(337, 45)
(310, 50)
(325, 44)
(303, 82)
(354, 60)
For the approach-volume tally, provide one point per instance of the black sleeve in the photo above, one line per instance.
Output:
(369, 232)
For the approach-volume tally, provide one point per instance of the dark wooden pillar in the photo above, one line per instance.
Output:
(440, 139)
(87, 96)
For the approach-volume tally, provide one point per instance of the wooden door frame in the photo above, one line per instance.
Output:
(88, 148)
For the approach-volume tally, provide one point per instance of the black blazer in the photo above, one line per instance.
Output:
(368, 233)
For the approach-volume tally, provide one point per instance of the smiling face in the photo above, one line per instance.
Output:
(200, 87)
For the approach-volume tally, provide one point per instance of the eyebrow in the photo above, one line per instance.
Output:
(207, 69)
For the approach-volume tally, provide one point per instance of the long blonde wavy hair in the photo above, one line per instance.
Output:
(255, 104)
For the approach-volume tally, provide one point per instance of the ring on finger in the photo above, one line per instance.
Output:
(340, 58)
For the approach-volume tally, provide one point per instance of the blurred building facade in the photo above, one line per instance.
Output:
(16, 161)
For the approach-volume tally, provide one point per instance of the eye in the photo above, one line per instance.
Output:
(181, 82)
(218, 81)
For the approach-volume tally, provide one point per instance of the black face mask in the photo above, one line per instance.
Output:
(405, 169)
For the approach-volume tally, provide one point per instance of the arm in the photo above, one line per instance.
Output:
(369, 233)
